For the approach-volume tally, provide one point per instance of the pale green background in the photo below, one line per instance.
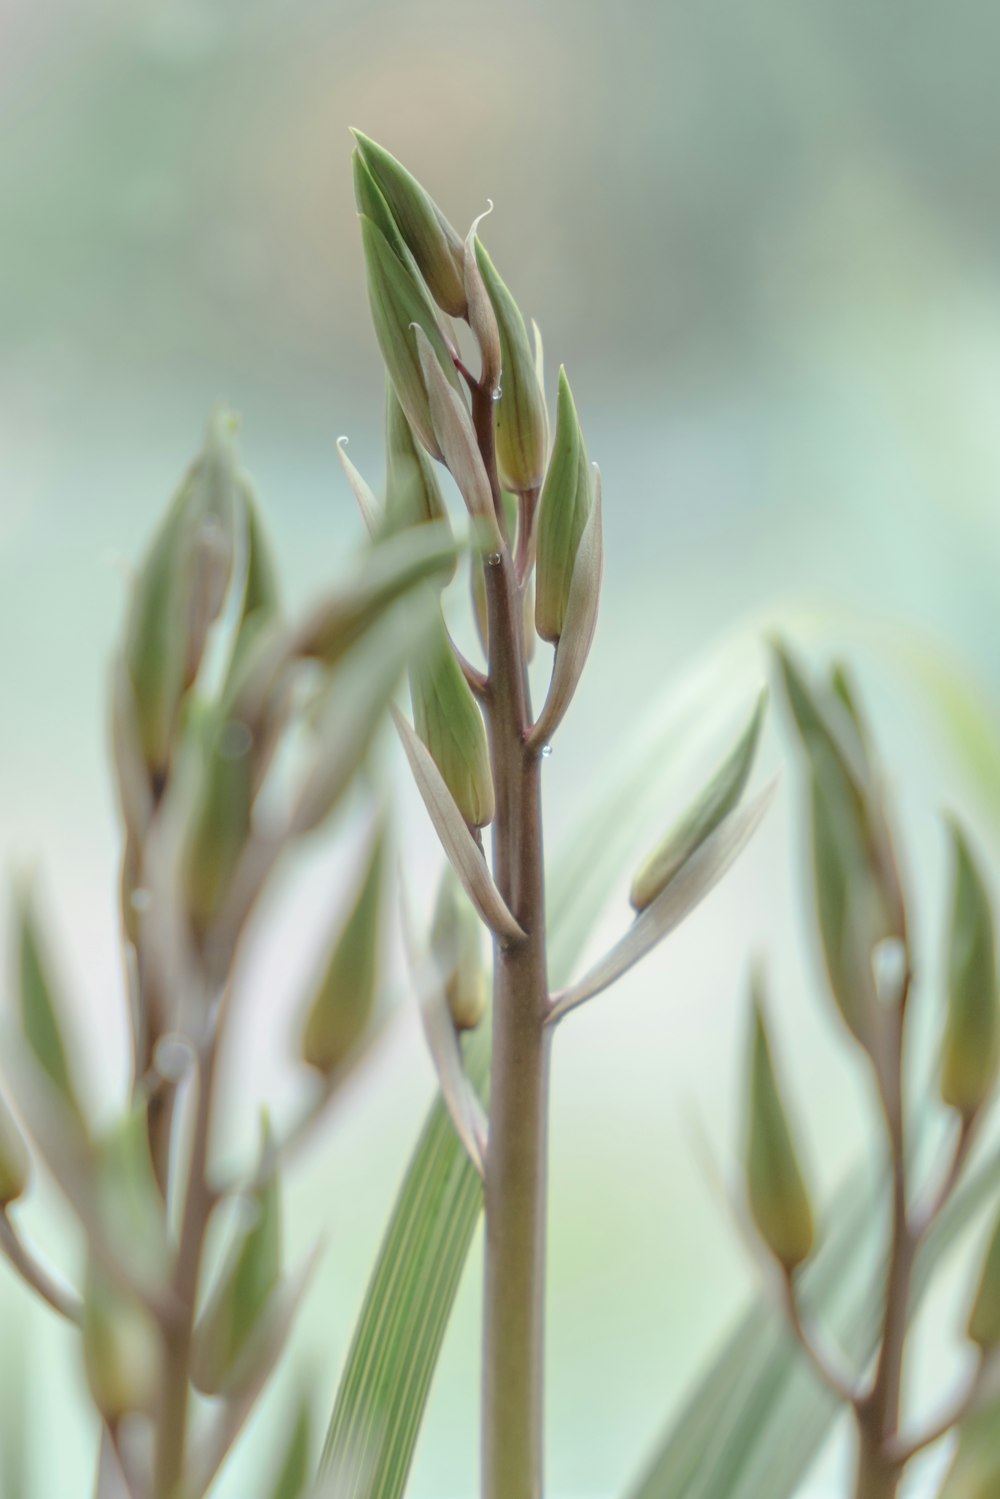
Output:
(764, 238)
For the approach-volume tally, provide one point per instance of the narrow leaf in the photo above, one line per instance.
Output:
(686, 890)
(458, 843)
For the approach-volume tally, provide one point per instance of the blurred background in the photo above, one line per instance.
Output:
(765, 240)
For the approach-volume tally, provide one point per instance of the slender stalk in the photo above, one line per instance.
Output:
(172, 1425)
(515, 1177)
(59, 1298)
(878, 1415)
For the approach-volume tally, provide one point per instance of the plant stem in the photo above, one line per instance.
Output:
(515, 1178)
(878, 1475)
(172, 1425)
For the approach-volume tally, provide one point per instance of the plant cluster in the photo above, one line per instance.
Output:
(865, 930)
(237, 732)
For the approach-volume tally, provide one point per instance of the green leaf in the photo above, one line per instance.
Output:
(391, 1362)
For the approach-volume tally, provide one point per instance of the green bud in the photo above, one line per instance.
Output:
(345, 1000)
(971, 1046)
(15, 1163)
(180, 591)
(121, 1348)
(446, 717)
(412, 493)
(220, 825)
(371, 203)
(567, 496)
(859, 899)
(777, 1192)
(431, 240)
(716, 800)
(984, 1319)
(398, 300)
(261, 593)
(227, 1346)
(129, 1200)
(521, 421)
(40, 1008)
(456, 944)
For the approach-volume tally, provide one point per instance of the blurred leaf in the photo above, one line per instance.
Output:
(397, 1340)
(223, 1351)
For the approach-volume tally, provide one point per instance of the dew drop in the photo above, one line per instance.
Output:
(497, 393)
(173, 1057)
(493, 559)
(140, 899)
(235, 741)
(546, 751)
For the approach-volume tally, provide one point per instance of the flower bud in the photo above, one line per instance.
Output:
(984, 1319)
(412, 493)
(567, 496)
(446, 717)
(777, 1193)
(15, 1163)
(179, 593)
(431, 240)
(456, 437)
(226, 1348)
(345, 1000)
(456, 944)
(41, 1022)
(717, 799)
(398, 300)
(371, 203)
(521, 421)
(220, 825)
(859, 899)
(970, 1053)
(121, 1349)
